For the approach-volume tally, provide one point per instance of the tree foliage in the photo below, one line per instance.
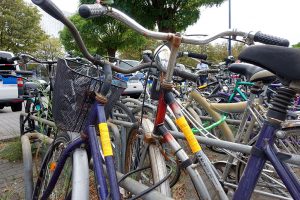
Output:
(49, 49)
(296, 45)
(215, 52)
(136, 53)
(20, 29)
(167, 15)
(102, 36)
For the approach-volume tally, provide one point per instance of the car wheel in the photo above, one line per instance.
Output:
(16, 107)
(1, 107)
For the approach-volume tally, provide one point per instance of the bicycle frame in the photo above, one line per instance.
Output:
(264, 150)
(237, 90)
(96, 114)
(166, 98)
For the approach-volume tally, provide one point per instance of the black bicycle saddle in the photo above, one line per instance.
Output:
(284, 62)
(244, 69)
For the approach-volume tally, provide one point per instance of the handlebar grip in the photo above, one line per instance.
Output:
(269, 39)
(197, 55)
(146, 59)
(213, 70)
(91, 10)
(49, 7)
(186, 75)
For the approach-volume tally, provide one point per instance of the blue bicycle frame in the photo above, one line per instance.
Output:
(264, 150)
(96, 114)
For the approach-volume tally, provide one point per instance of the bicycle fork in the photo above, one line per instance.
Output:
(194, 145)
(186, 163)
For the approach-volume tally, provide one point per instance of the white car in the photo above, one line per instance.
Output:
(134, 84)
(11, 87)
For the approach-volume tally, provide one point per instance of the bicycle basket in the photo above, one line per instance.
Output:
(72, 101)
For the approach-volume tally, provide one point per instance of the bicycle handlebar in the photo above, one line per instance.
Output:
(206, 71)
(192, 55)
(98, 9)
(269, 39)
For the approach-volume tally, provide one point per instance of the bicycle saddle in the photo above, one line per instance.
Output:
(284, 62)
(244, 69)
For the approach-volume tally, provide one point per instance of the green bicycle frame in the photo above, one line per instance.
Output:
(239, 91)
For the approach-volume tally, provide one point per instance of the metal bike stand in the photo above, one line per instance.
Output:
(39, 119)
(27, 159)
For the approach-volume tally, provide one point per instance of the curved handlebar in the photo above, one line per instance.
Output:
(95, 10)
(30, 57)
(98, 9)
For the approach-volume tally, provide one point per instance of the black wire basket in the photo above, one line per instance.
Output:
(75, 84)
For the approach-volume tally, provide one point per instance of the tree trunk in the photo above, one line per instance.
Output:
(112, 54)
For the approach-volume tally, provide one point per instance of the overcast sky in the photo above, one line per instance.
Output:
(276, 17)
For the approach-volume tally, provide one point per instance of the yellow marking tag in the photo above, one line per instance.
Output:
(105, 139)
(202, 86)
(189, 135)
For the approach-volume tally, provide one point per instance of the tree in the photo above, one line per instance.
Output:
(215, 52)
(49, 49)
(102, 36)
(136, 53)
(168, 15)
(20, 29)
(296, 45)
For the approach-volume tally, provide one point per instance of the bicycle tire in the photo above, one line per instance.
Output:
(30, 108)
(154, 156)
(149, 109)
(121, 107)
(49, 162)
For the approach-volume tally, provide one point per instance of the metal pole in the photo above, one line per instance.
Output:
(229, 20)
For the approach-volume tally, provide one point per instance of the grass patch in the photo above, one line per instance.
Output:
(11, 150)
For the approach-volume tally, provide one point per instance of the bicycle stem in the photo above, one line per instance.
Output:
(175, 43)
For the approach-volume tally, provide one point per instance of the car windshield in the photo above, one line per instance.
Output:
(127, 64)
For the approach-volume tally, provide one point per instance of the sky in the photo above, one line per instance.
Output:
(279, 18)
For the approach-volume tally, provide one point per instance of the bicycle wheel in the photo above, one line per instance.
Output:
(37, 109)
(139, 155)
(63, 186)
(171, 161)
(122, 112)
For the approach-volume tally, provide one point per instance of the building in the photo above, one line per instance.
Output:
(50, 25)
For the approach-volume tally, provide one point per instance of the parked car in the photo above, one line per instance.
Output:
(11, 87)
(134, 84)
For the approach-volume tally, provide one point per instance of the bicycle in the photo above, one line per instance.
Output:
(161, 110)
(38, 99)
(98, 10)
